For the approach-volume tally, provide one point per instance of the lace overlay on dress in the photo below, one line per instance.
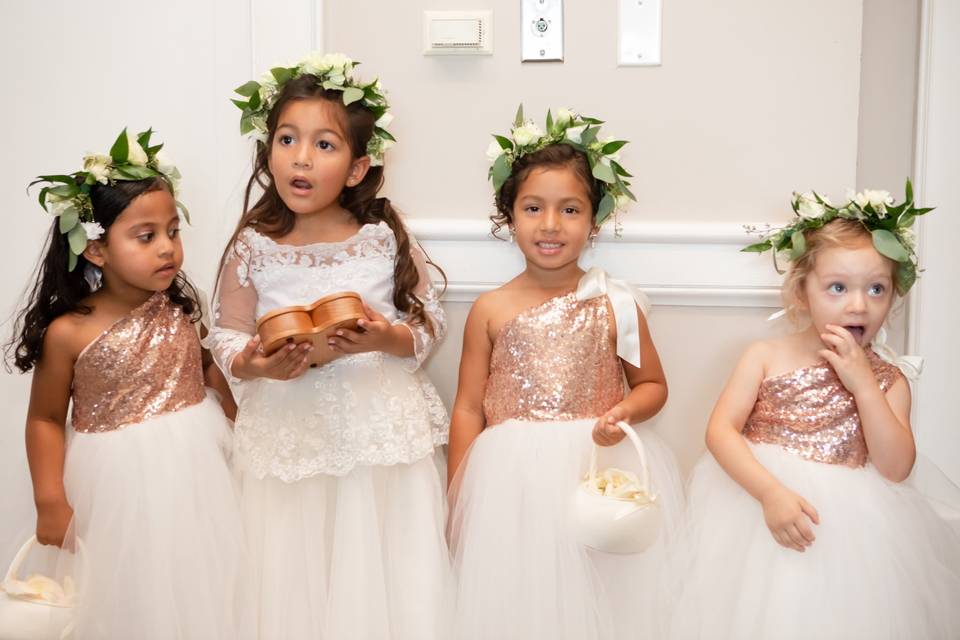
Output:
(809, 412)
(146, 364)
(363, 409)
(555, 361)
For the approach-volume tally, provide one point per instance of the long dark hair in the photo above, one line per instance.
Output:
(271, 216)
(555, 155)
(57, 291)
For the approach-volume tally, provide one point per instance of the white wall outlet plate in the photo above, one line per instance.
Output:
(638, 39)
(541, 30)
(457, 33)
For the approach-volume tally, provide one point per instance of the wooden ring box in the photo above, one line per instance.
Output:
(313, 323)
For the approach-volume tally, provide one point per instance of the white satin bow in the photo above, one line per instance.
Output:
(910, 366)
(624, 299)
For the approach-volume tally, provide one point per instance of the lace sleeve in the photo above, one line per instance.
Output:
(423, 338)
(234, 311)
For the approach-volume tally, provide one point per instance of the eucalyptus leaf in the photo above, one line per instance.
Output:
(500, 172)
(605, 208)
(798, 245)
(759, 247)
(604, 172)
(905, 275)
(68, 219)
(888, 244)
(351, 95)
(71, 262)
(77, 238)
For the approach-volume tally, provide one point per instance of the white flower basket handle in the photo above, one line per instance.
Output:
(641, 453)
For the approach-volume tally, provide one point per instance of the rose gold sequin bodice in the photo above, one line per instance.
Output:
(554, 362)
(146, 364)
(810, 413)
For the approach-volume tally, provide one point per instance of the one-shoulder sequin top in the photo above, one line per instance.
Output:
(555, 361)
(809, 412)
(146, 364)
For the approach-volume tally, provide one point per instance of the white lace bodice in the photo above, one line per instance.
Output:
(332, 418)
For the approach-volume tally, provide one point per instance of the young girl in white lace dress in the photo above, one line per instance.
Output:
(341, 491)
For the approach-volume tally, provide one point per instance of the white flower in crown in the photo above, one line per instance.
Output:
(57, 204)
(168, 169)
(908, 236)
(268, 87)
(384, 120)
(621, 202)
(808, 206)
(494, 151)
(93, 230)
(564, 117)
(98, 166)
(135, 153)
(573, 134)
(527, 134)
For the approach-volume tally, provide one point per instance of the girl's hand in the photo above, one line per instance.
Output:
(286, 363)
(52, 522)
(847, 358)
(788, 517)
(606, 433)
(376, 334)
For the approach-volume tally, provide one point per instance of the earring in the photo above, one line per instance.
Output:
(513, 235)
(93, 276)
(593, 241)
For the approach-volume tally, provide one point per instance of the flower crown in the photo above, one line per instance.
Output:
(581, 133)
(131, 158)
(888, 224)
(333, 71)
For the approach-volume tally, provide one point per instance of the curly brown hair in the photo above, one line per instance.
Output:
(271, 216)
(555, 155)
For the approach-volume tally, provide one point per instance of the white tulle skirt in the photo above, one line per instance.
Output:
(883, 564)
(156, 512)
(355, 557)
(520, 573)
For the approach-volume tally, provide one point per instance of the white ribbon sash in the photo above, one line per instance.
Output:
(624, 299)
(910, 366)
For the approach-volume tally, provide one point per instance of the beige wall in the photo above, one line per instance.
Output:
(754, 100)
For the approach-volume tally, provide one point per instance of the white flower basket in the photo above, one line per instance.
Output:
(614, 524)
(26, 618)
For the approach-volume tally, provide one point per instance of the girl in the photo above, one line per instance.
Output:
(543, 365)
(341, 491)
(139, 483)
(810, 439)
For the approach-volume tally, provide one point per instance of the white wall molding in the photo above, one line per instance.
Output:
(682, 264)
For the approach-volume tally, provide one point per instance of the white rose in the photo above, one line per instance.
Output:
(564, 117)
(879, 199)
(527, 134)
(621, 202)
(494, 151)
(385, 120)
(573, 134)
(268, 87)
(858, 199)
(135, 153)
(93, 229)
(315, 64)
(807, 205)
(98, 165)
(338, 62)
(57, 204)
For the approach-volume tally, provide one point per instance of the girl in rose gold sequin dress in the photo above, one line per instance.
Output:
(797, 525)
(137, 478)
(544, 362)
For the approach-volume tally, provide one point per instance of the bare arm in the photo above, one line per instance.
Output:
(787, 514)
(885, 417)
(467, 419)
(45, 433)
(648, 391)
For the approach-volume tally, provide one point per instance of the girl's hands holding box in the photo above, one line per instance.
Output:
(376, 334)
(285, 363)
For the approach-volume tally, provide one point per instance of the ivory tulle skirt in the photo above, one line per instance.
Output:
(883, 565)
(156, 511)
(520, 572)
(360, 556)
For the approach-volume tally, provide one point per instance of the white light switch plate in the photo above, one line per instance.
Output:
(638, 41)
(541, 30)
